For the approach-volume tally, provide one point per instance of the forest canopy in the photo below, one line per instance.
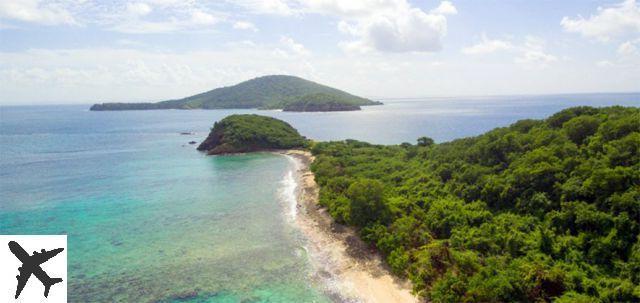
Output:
(542, 210)
(320, 102)
(248, 133)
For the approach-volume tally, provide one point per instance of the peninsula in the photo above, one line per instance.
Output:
(360, 271)
(267, 92)
(541, 210)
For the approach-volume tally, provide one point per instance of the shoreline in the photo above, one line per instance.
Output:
(342, 259)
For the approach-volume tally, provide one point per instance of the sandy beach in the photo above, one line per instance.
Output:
(345, 262)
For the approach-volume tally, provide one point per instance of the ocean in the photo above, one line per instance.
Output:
(150, 219)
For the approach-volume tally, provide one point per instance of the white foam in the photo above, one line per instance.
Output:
(288, 190)
(322, 267)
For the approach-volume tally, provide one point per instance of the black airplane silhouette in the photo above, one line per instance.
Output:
(31, 265)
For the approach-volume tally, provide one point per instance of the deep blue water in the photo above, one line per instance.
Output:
(138, 202)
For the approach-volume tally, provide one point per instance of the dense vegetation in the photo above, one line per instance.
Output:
(246, 133)
(538, 211)
(320, 102)
(268, 92)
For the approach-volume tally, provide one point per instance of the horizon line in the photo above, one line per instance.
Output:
(473, 96)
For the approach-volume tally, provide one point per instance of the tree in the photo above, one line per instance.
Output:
(367, 202)
(580, 128)
(425, 141)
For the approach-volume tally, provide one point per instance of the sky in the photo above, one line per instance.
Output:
(88, 51)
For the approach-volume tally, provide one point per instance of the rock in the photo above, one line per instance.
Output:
(192, 142)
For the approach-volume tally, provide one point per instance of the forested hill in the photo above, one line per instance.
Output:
(541, 210)
(268, 92)
(249, 133)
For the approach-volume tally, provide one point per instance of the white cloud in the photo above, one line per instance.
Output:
(533, 54)
(354, 8)
(629, 48)
(487, 46)
(130, 43)
(141, 16)
(394, 27)
(138, 9)
(619, 20)
(535, 59)
(445, 8)
(292, 47)
(35, 12)
(273, 7)
(377, 29)
(185, 18)
(604, 63)
(347, 28)
(199, 17)
(530, 54)
(245, 25)
(92, 75)
(376, 25)
(372, 25)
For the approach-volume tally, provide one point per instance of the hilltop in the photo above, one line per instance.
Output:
(267, 92)
(248, 133)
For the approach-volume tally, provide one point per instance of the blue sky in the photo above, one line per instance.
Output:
(85, 51)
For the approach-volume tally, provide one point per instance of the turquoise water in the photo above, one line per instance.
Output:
(150, 219)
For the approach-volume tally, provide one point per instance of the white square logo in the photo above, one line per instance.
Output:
(34, 269)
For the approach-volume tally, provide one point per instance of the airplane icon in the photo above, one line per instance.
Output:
(31, 265)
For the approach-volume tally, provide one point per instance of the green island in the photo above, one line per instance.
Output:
(541, 210)
(267, 92)
(249, 133)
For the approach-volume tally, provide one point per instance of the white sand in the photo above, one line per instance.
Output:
(348, 264)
